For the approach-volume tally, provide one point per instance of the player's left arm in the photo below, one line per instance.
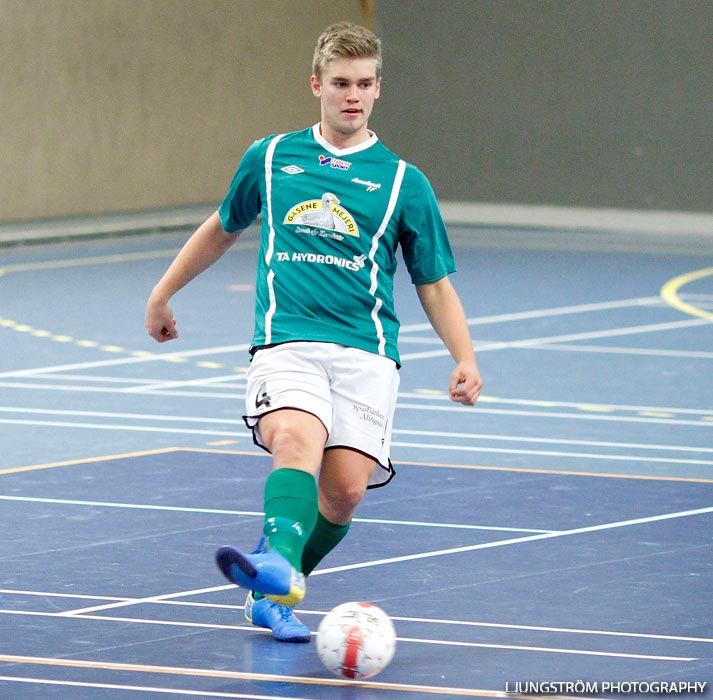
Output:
(445, 312)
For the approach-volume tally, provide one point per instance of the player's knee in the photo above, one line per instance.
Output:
(292, 443)
(344, 500)
(289, 447)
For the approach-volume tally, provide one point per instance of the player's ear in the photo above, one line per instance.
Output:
(377, 92)
(316, 86)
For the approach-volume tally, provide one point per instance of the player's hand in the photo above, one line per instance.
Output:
(160, 322)
(466, 383)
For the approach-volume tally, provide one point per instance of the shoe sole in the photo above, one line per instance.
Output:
(236, 567)
(227, 557)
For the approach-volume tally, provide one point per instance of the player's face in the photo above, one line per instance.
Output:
(347, 92)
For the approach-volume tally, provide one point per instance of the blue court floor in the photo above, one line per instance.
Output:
(560, 531)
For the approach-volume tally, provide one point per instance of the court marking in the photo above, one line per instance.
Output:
(111, 258)
(530, 343)
(240, 675)
(621, 350)
(594, 412)
(397, 431)
(429, 554)
(535, 471)
(424, 620)
(568, 416)
(251, 513)
(670, 293)
(87, 460)
(557, 472)
(147, 689)
(446, 465)
(600, 407)
(545, 313)
(411, 640)
(142, 357)
(551, 453)
(499, 318)
(519, 540)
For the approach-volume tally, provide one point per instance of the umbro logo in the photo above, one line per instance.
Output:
(292, 169)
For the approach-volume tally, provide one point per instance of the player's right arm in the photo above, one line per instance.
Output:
(203, 248)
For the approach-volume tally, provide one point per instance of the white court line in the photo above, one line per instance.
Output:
(551, 453)
(589, 335)
(112, 414)
(445, 399)
(153, 357)
(568, 416)
(150, 689)
(552, 441)
(396, 443)
(422, 620)
(414, 640)
(621, 350)
(423, 555)
(217, 511)
(500, 318)
(456, 448)
(112, 390)
(162, 385)
(396, 431)
(249, 676)
(447, 406)
(443, 396)
(547, 313)
(130, 428)
(236, 379)
(518, 540)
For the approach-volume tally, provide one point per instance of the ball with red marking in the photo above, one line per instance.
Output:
(356, 640)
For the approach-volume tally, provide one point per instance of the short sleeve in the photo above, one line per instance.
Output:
(423, 236)
(243, 202)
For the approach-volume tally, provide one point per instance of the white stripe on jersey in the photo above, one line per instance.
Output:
(271, 241)
(395, 189)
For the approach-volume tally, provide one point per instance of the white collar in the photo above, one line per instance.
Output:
(373, 138)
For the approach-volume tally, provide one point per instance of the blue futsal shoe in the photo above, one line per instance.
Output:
(264, 571)
(280, 619)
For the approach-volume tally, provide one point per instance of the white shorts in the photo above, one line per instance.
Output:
(351, 391)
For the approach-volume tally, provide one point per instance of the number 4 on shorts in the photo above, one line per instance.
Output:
(263, 398)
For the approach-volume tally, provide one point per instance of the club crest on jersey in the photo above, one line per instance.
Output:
(336, 163)
(316, 216)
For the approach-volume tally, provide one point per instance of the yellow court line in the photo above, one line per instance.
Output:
(443, 465)
(247, 676)
(645, 477)
(87, 460)
(669, 292)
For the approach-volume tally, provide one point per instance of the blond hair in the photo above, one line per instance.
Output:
(346, 40)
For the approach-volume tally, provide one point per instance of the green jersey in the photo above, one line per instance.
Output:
(332, 221)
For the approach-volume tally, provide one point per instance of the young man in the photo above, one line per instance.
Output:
(322, 384)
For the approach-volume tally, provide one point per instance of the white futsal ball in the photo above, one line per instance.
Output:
(356, 640)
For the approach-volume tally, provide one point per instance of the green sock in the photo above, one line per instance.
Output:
(324, 538)
(290, 512)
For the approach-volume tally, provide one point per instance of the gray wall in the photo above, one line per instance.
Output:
(116, 105)
(125, 105)
(597, 103)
